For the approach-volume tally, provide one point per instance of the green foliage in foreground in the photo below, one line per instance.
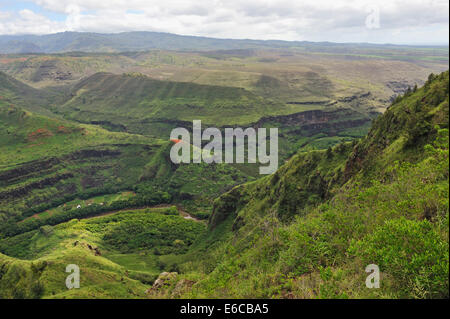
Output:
(393, 211)
(107, 250)
(413, 252)
(307, 231)
(323, 254)
(20, 279)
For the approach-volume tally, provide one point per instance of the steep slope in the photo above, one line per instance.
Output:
(16, 93)
(135, 103)
(307, 231)
(122, 98)
(46, 161)
(310, 229)
(399, 135)
(404, 129)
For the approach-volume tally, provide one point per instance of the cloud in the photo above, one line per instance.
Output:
(4, 15)
(27, 22)
(319, 20)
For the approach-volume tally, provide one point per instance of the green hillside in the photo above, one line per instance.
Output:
(45, 161)
(114, 98)
(15, 93)
(307, 231)
(107, 249)
(49, 166)
(86, 178)
(138, 104)
(310, 229)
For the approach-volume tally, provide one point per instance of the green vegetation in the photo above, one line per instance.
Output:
(86, 179)
(300, 235)
(137, 96)
(119, 255)
(58, 163)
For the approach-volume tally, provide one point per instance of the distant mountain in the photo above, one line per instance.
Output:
(128, 41)
(140, 41)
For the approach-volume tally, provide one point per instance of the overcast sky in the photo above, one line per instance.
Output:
(389, 21)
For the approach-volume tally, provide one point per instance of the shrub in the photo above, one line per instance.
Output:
(46, 230)
(412, 252)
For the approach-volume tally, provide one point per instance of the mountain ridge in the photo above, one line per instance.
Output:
(145, 40)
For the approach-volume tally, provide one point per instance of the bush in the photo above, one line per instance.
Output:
(412, 252)
(46, 230)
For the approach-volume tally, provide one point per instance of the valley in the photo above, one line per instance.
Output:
(86, 176)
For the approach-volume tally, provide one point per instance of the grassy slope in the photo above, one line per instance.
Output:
(61, 158)
(384, 201)
(103, 250)
(138, 97)
(31, 136)
(368, 203)
(48, 160)
(56, 161)
(15, 93)
(138, 104)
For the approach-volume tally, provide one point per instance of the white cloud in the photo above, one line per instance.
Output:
(27, 22)
(4, 15)
(319, 20)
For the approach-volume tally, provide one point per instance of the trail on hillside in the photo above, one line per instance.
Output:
(181, 211)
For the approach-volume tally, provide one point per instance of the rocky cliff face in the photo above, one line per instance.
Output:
(317, 121)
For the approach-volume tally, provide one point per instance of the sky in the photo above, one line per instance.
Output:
(385, 21)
